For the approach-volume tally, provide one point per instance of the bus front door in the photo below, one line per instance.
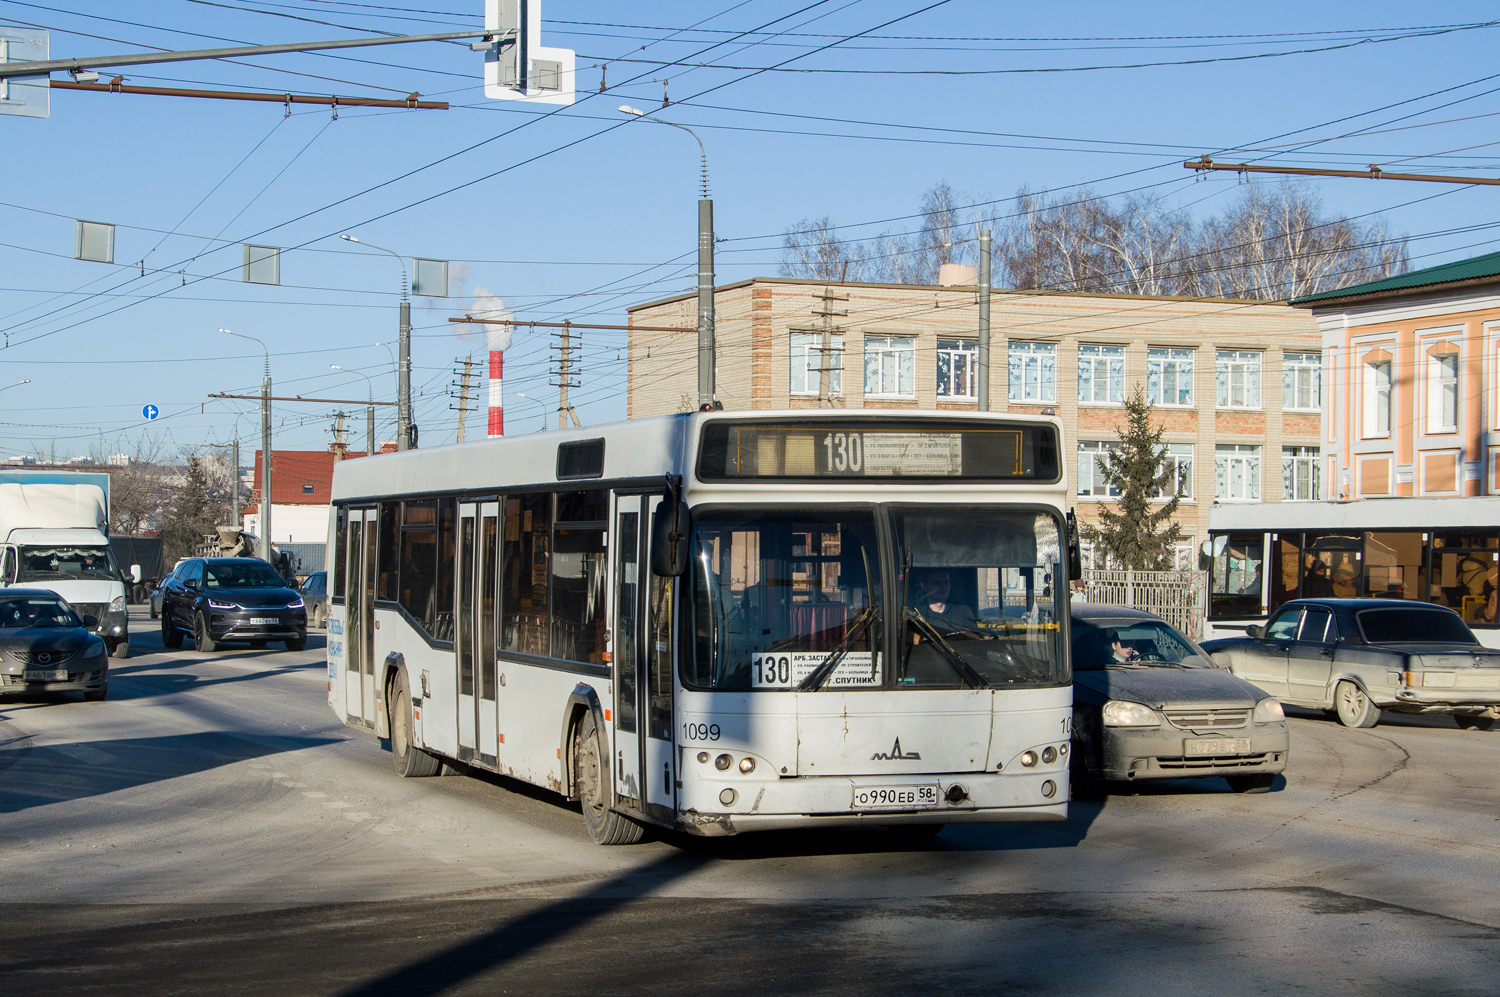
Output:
(359, 625)
(659, 681)
(627, 650)
(466, 654)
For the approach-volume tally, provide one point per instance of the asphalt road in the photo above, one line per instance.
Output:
(212, 829)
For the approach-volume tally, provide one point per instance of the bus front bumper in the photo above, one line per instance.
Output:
(829, 801)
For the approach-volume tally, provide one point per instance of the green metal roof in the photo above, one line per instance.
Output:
(1476, 268)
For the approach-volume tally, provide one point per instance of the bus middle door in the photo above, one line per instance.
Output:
(476, 628)
(627, 649)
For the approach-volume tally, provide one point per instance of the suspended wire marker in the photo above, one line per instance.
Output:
(1373, 173)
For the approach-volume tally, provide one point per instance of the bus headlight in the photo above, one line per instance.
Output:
(1028, 758)
(1119, 713)
(1269, 711)
(723, 762)
(747, 765)
(1049, 754)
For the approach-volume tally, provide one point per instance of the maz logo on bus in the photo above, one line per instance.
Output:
(845, 451)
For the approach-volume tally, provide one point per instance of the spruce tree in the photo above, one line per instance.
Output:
(194, 513)
(1138, 532)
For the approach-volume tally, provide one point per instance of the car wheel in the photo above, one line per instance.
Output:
(1251, 783)
(1354, 707)
(120, 650)
(1474, 722)
(297, 645)
(170, 635)
(202, 639)
(96, 695)
(154, 613)
(411, 762)
(591, 782)
(1082, 783)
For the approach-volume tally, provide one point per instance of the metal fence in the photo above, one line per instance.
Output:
(1179, 597)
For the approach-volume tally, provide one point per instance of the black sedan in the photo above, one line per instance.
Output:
(220, 599)
(46, 647)
(1149, 704)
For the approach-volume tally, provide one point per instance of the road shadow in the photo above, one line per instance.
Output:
(1388, 718)
(41, 775)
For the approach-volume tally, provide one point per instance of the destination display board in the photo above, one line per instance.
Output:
(885, 449)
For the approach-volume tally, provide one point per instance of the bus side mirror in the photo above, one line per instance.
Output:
(669, 538)
(1075, 549)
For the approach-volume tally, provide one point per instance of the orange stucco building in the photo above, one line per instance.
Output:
(1410, 375)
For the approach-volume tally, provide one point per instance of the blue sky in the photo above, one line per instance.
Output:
(579, 213)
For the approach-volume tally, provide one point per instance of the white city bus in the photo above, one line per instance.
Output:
(1439, 550)
(720, 622)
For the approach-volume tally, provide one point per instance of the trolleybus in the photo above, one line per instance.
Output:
(1439, 550)
(720, 622)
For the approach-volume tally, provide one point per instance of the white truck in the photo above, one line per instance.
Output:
(54, 534)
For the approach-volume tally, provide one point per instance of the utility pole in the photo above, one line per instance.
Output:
(234, 478)
(403, 384)
(565, 380)
(826, 350)
(984, 321)
(340, 444)
(265, 465)
(463, 395)
(706, 387)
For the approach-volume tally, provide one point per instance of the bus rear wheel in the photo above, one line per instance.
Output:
(411, 762)
(591, 782)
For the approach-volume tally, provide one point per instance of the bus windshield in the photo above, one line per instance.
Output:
(794, 600)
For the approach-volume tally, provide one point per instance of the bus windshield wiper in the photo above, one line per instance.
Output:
(955, 660)
(825, 669)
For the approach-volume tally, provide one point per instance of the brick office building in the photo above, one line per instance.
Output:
(1236, 384)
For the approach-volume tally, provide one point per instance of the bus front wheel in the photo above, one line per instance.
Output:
(591, 782)
(411, 762)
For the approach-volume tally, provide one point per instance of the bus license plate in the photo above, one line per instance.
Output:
(263, 621)
(1216, 746)
(46, 675)
(895, 797)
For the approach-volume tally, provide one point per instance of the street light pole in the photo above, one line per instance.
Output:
(369, 409)
(403, 386)
(539, 404)
(265, 448)
(707, 388)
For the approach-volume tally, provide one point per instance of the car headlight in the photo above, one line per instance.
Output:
(1119, 713)
(296, 603)
(1269, 711)
(216, 604)
(117, 604)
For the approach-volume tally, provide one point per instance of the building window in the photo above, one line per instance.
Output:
(1302, 381)
(1237, 472)
(1178, 460)
(1442, 393)
(1101, 374)
(1300, 474)
(1091, 468)
(1237, 379)
(1185, 555)
(1377, 398)
(808, 363)
(957, 361)
(890, 367)
(1169, 377)
(1033, 372)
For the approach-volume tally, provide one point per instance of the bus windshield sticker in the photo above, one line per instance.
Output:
(789, 669)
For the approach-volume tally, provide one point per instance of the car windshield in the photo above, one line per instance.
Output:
(52, 564)
(794, 599)
(35, 611)
(1401, 625)
(1132, 643)
(243, 575)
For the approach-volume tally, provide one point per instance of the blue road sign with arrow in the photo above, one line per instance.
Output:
(150, 412)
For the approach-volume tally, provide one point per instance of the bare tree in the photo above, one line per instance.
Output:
(811, 249)
(140, 489)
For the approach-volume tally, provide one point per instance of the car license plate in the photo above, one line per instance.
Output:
(895, 797)
(1216, 746)
(264, 621)
(46, 675)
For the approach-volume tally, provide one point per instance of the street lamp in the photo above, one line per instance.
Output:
(539, 404)
(403, 382)
(706, 387)
(265, 448)
(369, 410)
(16, 385)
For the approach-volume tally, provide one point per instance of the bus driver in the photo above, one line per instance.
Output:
(935, 607)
